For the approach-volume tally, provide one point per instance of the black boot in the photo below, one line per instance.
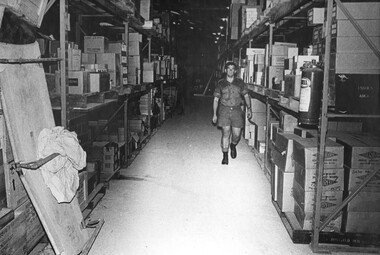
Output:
(233, 150)
(225, 158)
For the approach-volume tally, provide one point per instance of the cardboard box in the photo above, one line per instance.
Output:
(366, 10)
(74, 59)
(259, 118)
(88, 58)
(361, 222)
(288, 122)
(95, 44)
(292, 52)
(278, 61)
(305, 153)
(117, 47)
(258, 106)
(364, 202)
(110, 157)
(292, 85)
(359, 152)
(315, 16)
(279, 50)
(282, 155)
(285, 191)
(353, 44)
(371, 27)
(306, 199)
(134, 48)
(99, 82)
(78, 82)
(355, 63)
(135, 37)
(254, 51)
(355, 177)
(275, 75)
(332, 179)
(306, 220)
(289, 63)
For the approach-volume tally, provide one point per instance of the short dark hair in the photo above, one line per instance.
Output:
(230, 63)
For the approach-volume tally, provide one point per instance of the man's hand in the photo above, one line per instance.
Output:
(214, 119)
(249, 114)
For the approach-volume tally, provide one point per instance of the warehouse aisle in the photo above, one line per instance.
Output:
(176, 198)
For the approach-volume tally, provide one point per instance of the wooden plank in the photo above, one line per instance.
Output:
(27, 109)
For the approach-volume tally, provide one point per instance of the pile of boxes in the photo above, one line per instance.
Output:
(255, 128)
(355, 69)
(134, 59)
(255, 66)
(349, 157)
(362, 156)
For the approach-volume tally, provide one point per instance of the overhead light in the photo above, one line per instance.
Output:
(217, 38)
(216, 42)
(224, 19)
(174, 12)
(221, 27)
(219, 33)
(214, 33)
(174, 23)
(105, 24)
(191, 27)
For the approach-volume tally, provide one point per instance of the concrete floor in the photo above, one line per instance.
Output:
(176, 198)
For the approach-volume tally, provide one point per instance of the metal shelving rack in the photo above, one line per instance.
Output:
(276, 15)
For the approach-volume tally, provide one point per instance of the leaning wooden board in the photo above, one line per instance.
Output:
(27, 110)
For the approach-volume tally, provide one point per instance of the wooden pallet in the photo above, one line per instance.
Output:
(362, 242)
(27, 110)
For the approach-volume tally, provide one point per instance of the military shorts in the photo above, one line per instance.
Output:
(230, 116)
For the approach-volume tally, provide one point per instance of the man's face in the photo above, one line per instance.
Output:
(230, 71)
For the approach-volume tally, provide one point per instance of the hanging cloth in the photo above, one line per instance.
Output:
(61, 173)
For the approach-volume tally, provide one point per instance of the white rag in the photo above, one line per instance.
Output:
(61, 173)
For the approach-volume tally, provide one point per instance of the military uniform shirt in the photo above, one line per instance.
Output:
(230, 94)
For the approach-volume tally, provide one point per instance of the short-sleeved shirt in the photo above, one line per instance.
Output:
(230, 94)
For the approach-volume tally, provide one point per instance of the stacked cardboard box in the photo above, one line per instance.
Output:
(255, 63)
(134, 60)
(248, 15)
(305, 164)
(255, 127)
(355, 69)
(362, 156)
(282, 156)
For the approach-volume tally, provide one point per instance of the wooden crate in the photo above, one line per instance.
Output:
(32, 11)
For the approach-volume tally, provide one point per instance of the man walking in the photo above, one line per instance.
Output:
(228, 114)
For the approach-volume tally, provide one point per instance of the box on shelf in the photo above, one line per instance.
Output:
(361, 222)
(275, 75)
(285, 191)
(315, 16)
(364, 202)
(306, 199)
(292, 85)
(99, 82)
(332, 179)
(306, 219)
(117, 47)
(366, 10)
(88, 58)
(359, 152)
(254, 51)
(110, 157)
(95, 44)
(287, 122)
(371, 27)
(355, 177)
(134, 48)
(78, 82)
(278, 61)
(305, 153)
(282, 154)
